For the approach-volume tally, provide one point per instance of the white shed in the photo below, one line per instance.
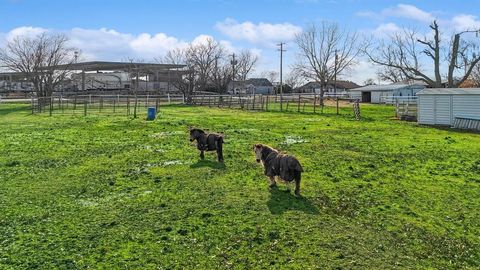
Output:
(379, 93)
(449, 106)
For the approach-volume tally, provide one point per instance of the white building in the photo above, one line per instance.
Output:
(449, 107)
(381, 93)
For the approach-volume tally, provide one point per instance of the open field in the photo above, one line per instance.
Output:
(113, 192)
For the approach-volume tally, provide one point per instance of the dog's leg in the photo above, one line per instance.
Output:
(220, 151)
(272, 182)
(298, 178)
(202, 155)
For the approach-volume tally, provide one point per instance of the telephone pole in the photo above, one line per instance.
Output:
(335, 78)
(281, 73)
(234, 63)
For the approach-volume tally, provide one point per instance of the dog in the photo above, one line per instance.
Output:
(279, 165)
(207, 142)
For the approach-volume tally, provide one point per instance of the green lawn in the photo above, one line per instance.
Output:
(111, 192)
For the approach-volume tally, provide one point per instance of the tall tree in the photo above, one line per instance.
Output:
(188, 79)
(326, 51)
(43, 60)
(246, 64)
(406, 53)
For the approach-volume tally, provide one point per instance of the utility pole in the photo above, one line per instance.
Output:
(335, 78)
(234, 62)
(281, 74)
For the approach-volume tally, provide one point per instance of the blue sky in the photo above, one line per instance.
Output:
(116, 30)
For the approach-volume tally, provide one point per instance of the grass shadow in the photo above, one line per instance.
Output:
(282, 201)
(208, 163)
(9, 109)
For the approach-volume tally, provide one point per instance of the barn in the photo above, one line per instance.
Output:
(379, 93)
(458, 107)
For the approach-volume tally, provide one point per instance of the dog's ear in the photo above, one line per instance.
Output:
(257, 146)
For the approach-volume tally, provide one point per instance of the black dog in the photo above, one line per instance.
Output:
(207, 142)
(286, 167)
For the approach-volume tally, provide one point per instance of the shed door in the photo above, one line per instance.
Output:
(367, 97)
(443, 110)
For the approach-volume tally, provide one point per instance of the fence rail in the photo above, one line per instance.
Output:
(135, 105)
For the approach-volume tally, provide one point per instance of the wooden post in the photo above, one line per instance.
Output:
(114, 105)
(135, 108)
(299, 100)
(33, 105)
(128, 105)
(314, 103)
(157, 104)
(230, 103)
(51, 105)
(85, 108)
(253, 102)
(266, 103)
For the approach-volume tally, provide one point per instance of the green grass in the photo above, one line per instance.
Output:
(111, 192)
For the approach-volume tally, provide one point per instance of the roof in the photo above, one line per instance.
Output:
(449, 91)
(259, 82)
(389, 87)
(340, 84)
(113, 66)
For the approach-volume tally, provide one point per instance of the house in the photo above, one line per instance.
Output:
(342, 87)
(379, 93)
(449, 107)
(251, 86)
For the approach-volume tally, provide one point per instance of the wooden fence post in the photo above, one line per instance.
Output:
(299, 100)
(85, 108)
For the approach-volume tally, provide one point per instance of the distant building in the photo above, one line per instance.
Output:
(251, 86)
(341, 87)
(380, 93)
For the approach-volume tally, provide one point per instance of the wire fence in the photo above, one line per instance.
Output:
(129, 105)
(286, 102)
(137, 105)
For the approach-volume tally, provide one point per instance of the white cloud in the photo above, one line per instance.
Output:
(464, 22)
(400, 11)
(108, 44)
(408, 12)
(27, 31)
(386, 30)
(262, 33)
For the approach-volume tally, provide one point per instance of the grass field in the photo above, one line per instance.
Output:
(111, 192)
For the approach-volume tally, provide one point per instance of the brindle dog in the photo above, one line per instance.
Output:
(207, 142)
(279, 165)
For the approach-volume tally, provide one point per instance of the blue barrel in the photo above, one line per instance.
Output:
(152, 113)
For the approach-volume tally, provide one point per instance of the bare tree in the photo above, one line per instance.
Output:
(406, 52)
(271, 75)
(43, 60)
(326, 51)
(246, 64)
(221, 75)
(188, 79)
(294, 79)
(390, 74)
(369, 82)
(204, 57)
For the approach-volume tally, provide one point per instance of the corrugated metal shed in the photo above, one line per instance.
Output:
(377, 93)
(442, 106)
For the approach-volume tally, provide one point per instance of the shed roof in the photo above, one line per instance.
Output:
(388, 87)
(105, 65)
(449, 91)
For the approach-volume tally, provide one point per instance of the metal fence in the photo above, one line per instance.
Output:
(101, 104)
(137, 105)
(286, 102)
